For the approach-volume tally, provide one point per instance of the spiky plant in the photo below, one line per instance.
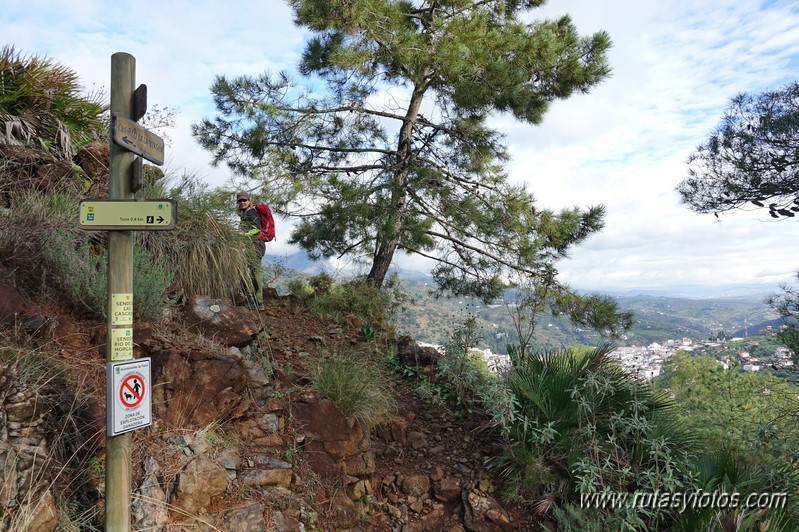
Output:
(355, 384)
(580, 424)
(726, 472)
(206, 252)
(43, 105)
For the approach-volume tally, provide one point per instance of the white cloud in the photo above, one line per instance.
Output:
(624, 145)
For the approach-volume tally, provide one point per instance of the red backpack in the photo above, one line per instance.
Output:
(267, 233)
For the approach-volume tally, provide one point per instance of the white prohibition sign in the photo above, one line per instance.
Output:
(128, 398)
(131, 391)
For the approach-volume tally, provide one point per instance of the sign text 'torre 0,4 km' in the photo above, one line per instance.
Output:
(128, 215)
(137, 139)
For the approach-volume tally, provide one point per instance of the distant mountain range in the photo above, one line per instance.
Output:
(696, 313)
(760, 290)
(300, 262)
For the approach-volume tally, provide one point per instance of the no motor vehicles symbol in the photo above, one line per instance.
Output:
(131, 391)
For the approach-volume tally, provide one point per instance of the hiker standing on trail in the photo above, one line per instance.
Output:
(251, 226)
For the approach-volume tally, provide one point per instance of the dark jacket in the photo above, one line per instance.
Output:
(250, 225)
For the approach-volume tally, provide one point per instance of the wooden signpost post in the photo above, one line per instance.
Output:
(128, 399)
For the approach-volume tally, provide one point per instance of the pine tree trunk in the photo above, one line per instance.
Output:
(388, 243)
(381, 263)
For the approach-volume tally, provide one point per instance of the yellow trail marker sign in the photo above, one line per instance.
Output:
(128, 215)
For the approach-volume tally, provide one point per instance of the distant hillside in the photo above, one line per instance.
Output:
(658, 316)
(664, 317)
(657, 319)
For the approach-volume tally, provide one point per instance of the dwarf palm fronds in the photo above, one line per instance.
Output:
(580, 425)
(42, 105)
(748, 494)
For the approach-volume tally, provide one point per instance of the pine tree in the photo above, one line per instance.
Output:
(752, 156)
(388, 148)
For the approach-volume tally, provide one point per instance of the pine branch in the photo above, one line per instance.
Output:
(461, 243)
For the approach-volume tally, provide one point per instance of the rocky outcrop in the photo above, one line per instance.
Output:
(13, 305)
(203, 481)
(193, 388)
(241, 442)
(26, 502)
(200, 481)
(336, 446)
(482, 513)
(228, 324)
(31, 169)
(412, 354)
(25, 168)
(149, 503)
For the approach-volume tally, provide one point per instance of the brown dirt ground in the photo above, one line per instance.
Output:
(458, 439)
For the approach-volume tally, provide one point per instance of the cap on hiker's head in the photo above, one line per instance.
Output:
(242, 196)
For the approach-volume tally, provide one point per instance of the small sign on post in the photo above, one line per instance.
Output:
(128, 398)
(128, 215)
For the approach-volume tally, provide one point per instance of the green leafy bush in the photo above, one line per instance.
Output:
(726, 470)
(467, 375)
(579, 425)
(377, 307)
(576, 411)
(151, 280)
(300, 289)
(78, 268)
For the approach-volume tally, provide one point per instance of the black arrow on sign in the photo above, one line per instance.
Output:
(126, 141)
(160, 219)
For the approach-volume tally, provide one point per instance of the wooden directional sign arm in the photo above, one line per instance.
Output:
(135, 138)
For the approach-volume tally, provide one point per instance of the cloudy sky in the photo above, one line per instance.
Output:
(676, 64)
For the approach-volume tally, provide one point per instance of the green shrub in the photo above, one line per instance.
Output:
(377, 307)
(151, 281)
(580, 425)
(79, 270)
(352, 297)
(355, 384)
(468, 373)
(573, 518)
(300, 289)
(321, 283)
(727, 470)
